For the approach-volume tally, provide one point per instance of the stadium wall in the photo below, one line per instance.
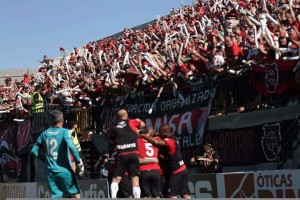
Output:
(259, 184)
(248, 141)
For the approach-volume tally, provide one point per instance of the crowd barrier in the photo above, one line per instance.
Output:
(83, 116)
(260, 184)
(232, 93)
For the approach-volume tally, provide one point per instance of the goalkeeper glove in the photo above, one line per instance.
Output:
(80, 167)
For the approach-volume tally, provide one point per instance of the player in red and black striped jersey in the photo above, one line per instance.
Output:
(150, 179)
(178, 183)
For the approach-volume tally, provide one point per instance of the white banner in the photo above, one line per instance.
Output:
(264, 184)
(277, 184)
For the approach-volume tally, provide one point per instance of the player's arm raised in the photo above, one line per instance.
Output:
(136, 124)
(142, 124)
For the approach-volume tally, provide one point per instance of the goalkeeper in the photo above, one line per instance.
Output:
(55, 142)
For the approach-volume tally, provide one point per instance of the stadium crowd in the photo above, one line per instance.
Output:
(197, 41)
(194, 44)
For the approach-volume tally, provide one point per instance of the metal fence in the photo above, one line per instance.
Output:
(236, 92)
(83, 117)
(232, 94)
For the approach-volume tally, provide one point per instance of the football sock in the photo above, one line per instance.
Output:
(114, 187)
(136, 192)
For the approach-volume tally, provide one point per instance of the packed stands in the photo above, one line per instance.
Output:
(198, 43)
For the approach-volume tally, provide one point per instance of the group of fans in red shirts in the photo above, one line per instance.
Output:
(205, 40)
(151, 161)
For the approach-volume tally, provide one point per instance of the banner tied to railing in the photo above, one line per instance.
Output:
(171, 104)
(248, 145)
(274, 77)
(186, 115)
(14, 142)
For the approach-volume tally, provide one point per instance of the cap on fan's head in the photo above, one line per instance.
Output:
(207, 145)
(231, 14)
(38, 86)
(283, 34)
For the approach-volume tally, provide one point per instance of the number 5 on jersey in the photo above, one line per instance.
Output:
(150, 150)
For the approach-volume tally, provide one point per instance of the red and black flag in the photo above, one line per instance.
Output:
(275, 77)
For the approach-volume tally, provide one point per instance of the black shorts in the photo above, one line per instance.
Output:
(150, 183)
(178, 184)
(129, 163)
(163, 186)
(125, 188)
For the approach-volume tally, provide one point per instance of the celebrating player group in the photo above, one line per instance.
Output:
(152, 161)
(143, 164)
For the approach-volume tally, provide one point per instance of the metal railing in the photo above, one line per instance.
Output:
(92, 156)
(236, 91)
(232, 93)
(41, 120)
(286, 147)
